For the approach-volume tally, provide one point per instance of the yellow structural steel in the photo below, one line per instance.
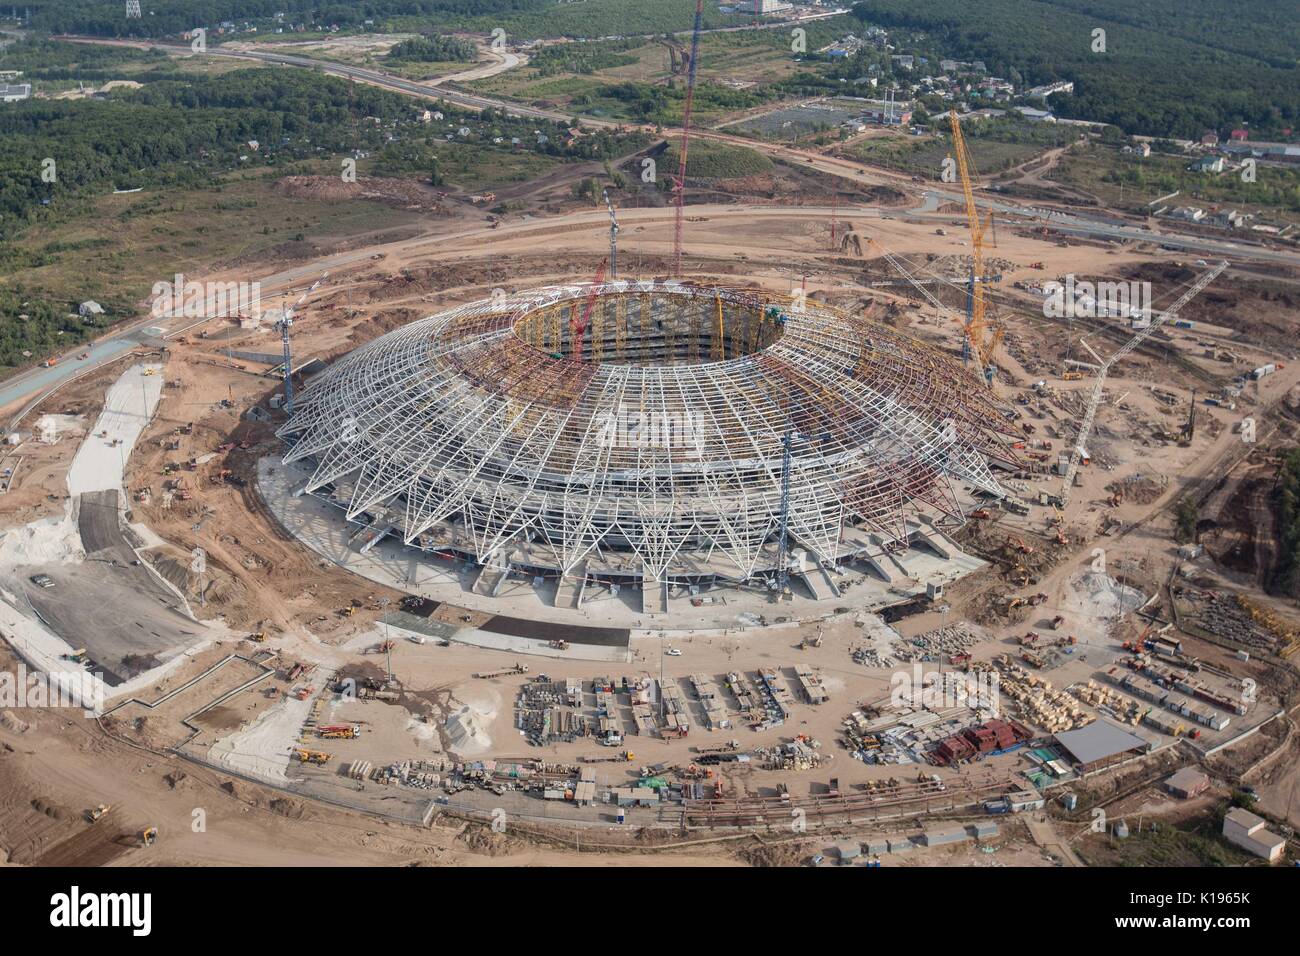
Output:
(716, 352)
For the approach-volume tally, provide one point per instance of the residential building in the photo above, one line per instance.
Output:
(1035, 116)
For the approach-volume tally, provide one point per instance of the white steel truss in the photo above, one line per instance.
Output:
(647, 441)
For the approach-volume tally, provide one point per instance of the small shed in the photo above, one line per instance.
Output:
(1187, 783)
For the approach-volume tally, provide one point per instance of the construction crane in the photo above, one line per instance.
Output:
(783, 534)
(613, 236)
(680, 185)
(936, 281)
(1094, 400)
(975, 348)
(285, 323)
(919, 285)
(579, 325)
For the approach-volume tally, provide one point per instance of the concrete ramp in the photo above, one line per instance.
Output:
(569, 591)
(654, 596)
(491, 580)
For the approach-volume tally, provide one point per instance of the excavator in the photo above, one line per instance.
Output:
(148, 836)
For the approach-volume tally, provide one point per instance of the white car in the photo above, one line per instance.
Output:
(673, 652)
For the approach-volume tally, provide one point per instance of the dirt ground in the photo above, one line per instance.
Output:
(259, 580)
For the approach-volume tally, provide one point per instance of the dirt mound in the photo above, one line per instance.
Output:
(482, 839)
(286, 807)
(215, 588)
(12, 722)
(398, 193)
(51, 810)
(780, 854)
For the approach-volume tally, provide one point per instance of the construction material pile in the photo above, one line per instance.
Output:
(937, 645)
(1037, 702)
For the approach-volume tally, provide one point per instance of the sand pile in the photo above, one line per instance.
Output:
(467, 732)
(46, 541)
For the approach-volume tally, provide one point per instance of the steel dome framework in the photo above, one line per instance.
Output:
(638, 429)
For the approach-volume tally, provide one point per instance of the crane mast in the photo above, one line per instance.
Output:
(613, 237)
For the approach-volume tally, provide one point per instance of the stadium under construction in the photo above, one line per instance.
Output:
(656, 435)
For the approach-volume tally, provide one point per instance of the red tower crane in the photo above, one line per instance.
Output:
(580, 324)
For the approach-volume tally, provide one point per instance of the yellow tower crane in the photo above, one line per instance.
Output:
(976, 347)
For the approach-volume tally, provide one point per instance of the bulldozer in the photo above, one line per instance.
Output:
(94, 814)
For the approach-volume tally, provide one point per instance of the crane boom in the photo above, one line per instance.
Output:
(975, 294)
(1094, 400)
(686, 135)
(579, 325)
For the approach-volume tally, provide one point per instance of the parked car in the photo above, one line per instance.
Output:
(43, 580)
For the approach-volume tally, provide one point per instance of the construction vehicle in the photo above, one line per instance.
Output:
(981, 513)
(559, 645)
(339, 732)
(957, 660)
(1020, 545)
(148, 836)
(1072, 376)
(257, 638)
(312, 756)
(296, 671)
(77, 657)
(506, 672)
(50, 363)
(95, 813)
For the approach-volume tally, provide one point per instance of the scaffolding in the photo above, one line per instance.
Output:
(656, 445)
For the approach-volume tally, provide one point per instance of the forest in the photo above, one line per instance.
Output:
(519, 18)
(1168, 68)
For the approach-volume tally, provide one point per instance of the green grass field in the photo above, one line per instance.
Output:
(1125, 181)
(127, 242)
